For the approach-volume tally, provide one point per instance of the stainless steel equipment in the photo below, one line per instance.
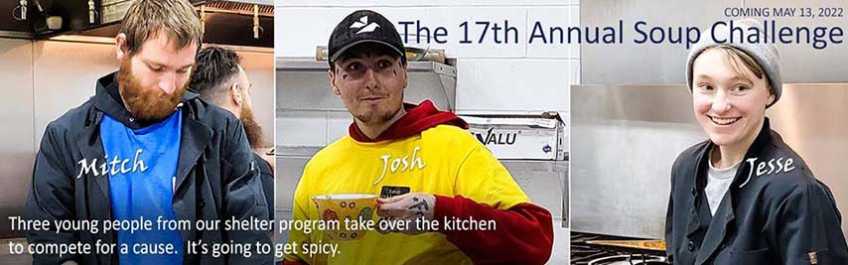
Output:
(625, 139)
(585, 250)
(813, 120)
(625, 63)
(541, 181)
(534, 150)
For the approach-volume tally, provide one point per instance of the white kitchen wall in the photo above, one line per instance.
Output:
(17, 144)
(59, 87)
(510, 78)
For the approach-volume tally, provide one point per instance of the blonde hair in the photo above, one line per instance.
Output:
(147, 18)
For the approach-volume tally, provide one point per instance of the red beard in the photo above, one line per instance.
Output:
(251, 128)
(146, 105)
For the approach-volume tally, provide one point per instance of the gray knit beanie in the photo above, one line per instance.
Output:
(765, 54)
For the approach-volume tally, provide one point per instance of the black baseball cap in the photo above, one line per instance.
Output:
(363, 26)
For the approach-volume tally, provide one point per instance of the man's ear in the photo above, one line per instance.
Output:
(332, 78)
(771, 99)
(235, 95)
(405, 76)
(121, 47)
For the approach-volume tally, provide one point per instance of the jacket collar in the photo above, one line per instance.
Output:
(724, 215)
(196, 135)
(108, 100)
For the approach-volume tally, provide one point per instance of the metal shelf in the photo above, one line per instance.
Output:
(297, 151)
(310, 64)
(252, 2)
(15, 34)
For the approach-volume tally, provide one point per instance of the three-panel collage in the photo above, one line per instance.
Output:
(294, 132)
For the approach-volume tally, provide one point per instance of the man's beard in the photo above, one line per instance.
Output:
(251, 128)
(146, 105)
(377, 118)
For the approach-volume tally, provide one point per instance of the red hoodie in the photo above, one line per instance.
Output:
(416, 120)
(524, 233)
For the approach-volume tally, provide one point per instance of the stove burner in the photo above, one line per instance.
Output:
(634, 259)
(583, 253)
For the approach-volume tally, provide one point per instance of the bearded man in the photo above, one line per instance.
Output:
(220, 79)
(144, 148)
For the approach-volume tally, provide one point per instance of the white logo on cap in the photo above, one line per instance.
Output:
(363, 25)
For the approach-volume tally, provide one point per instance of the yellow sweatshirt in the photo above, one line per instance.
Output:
(443, 160)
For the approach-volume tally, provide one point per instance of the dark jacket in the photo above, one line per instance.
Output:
(267, 176)
(216, 178)
(776, 212)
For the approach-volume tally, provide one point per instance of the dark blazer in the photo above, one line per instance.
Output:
(267, 176)
(216, 177)
(775, 212)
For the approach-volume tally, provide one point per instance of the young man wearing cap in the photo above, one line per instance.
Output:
(144, 148)
(421, 162)
(744, 196)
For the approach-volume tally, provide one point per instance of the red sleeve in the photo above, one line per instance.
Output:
(289, 262)
(523, 234)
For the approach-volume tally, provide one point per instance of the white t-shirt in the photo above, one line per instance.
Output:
(718, 182)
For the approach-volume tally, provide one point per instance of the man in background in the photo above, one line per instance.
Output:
(220, 79)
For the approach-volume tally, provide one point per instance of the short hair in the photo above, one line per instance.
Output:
(147, 18)
(214, 71)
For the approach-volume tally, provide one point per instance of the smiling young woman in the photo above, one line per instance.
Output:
(730, 96)
(722, 212)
